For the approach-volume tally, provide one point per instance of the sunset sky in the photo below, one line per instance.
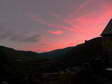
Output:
(44, 25)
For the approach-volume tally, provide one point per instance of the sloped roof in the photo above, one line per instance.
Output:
(108, 30)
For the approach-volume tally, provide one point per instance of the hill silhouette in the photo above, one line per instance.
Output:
(25, 64)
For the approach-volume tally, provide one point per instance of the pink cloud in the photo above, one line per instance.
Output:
(81, 7)
(56, 32)
(92, 19)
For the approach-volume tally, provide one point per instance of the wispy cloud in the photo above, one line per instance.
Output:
(80, 8)
(24, 38)
(56, 32)
(18, 37)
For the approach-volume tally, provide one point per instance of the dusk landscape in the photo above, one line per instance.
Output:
(55, 41)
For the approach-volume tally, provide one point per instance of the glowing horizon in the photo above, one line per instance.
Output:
(42, 26)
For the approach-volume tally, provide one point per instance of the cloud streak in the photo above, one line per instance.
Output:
(21, 37)
(24, 38)
(56, 32)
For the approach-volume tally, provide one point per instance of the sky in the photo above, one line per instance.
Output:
(45, 25)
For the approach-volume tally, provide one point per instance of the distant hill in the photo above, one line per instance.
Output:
(15, 63)
(77, 55)
(19, 55)
(56, 54)
(84, 52)
(67, 56)
(23, 63)
(61, 62)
